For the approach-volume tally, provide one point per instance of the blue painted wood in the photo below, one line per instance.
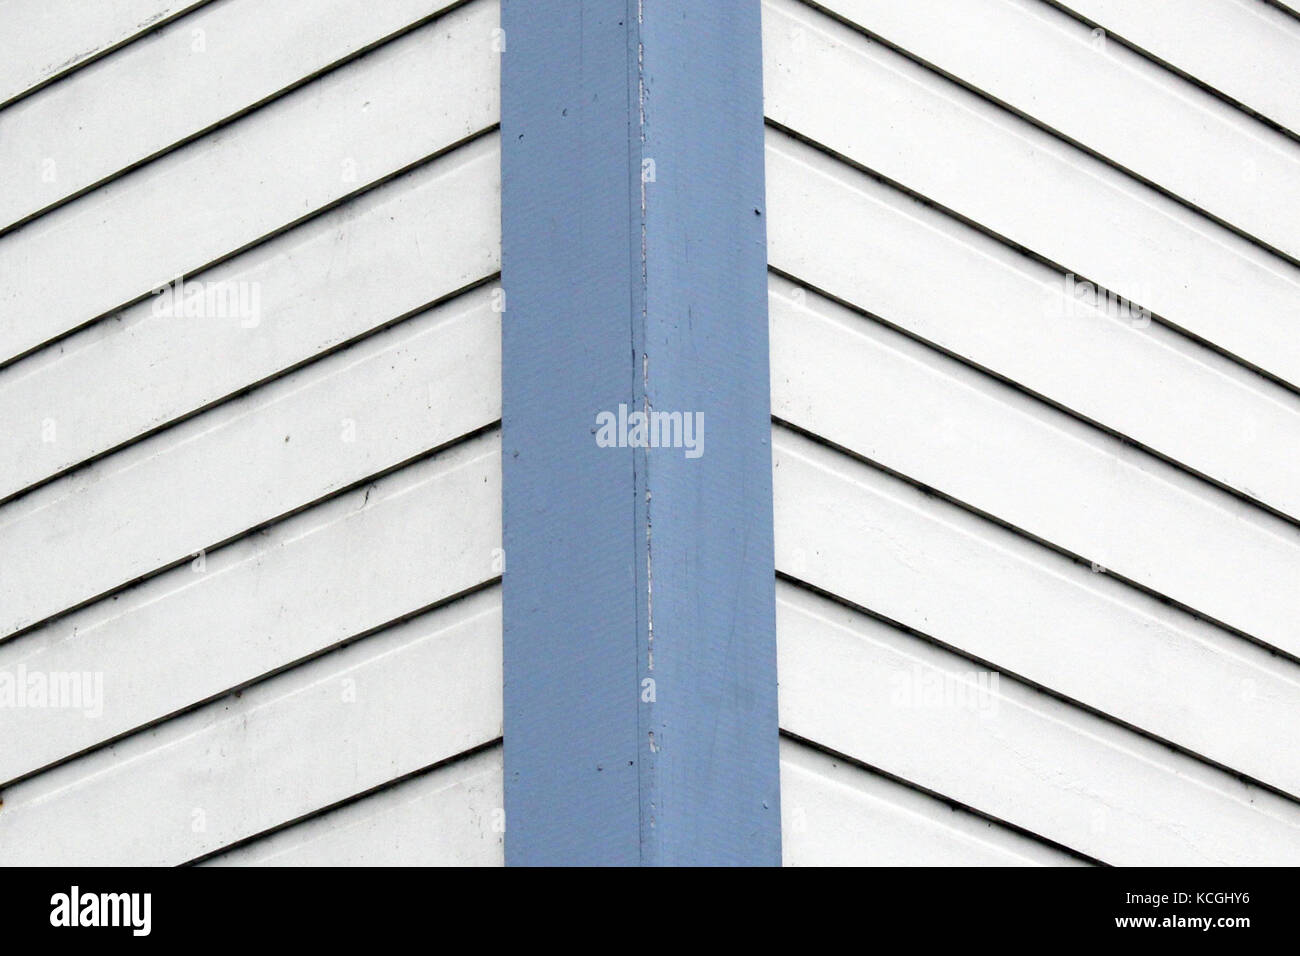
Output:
(640, 664)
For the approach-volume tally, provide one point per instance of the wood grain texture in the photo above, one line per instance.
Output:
(291, 746)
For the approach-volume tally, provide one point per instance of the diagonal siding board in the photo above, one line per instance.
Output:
(872, 246)
(914, 127)
(189, 76)
(317, 286)
(353, 414)
(48, 39)
(889, 547)
(1241, 48)
(352, 127)
(416, 537)
(872, 391)
(293, 745)
(1111, 100)
(851, 682)
(836, 814)
(450, 816)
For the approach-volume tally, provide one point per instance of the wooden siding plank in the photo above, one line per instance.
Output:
(850, 682)
(880, 250)
(891, 548)
(317, 286)
(354, 413)
(914, 127)
(358, 561)
(188, 77)
(447, 817)
(1050, 66)
(873, 391)
(345, 723)
(1242, 48)
(836, 814)
(46, 39)
(353, 126)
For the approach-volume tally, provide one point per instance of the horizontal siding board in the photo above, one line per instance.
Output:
(318, 285)
(188, 77)
(850, 682)
(873, 391)
(45, 39)
(293, 745)
(365, 121)
(427, 532)
(1243, 48)
(450, 816)
(836, 814)
(881, 544)
(914, 127)
(354, 413)
(1129, 110)
(870, 245)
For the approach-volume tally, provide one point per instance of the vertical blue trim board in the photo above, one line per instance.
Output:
(640, 658)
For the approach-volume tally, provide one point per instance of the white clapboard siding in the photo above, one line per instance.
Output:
(886, 546)
(946, 283)
(413, 240)
(1048, 65)
(450, 816)
(933, 718)
(1245, 49)
(45, 39)
(907, 123)
(348, 722)
(372, 117)
(354, 413)
(873, 391)
(836, 814)
(190, 76)
(421, 535)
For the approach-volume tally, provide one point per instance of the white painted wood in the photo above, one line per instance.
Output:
(943, 281)
(907, 123)
(345, 723)
(1050, 66)
(873, 391)
(190, 76)
(1244, 48)
(353, 126)
(354, 413)
(44, 39)
(887, 546)
(450, 816)
(421, 535)
(409, 242)
(836, 814)
(852, 683)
